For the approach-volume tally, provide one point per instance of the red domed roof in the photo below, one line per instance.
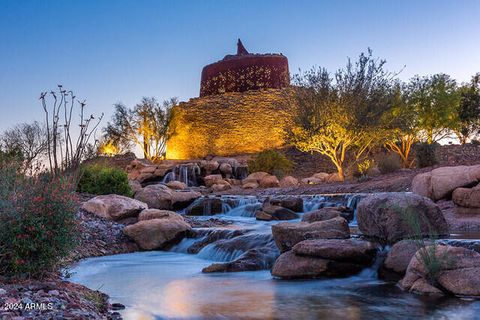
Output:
(245, 71)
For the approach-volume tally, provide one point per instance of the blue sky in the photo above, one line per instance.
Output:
(119, 50)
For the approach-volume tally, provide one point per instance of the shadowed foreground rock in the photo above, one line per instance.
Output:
(292, 266)
(384, 216)
(347, 250)
(459, 272)
(287, 234)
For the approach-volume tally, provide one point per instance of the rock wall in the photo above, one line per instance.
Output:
(231, 123)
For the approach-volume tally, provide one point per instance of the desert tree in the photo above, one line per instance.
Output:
(28, 140)
(67, 147)
(146, 125)
(401, 127)
(435, 100)
(468, 112)
(343, 114)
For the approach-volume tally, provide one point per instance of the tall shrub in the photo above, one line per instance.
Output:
(37, 223)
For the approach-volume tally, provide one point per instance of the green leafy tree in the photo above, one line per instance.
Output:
(402, 126)
(468, 112)
(435, 100)
(145, 125)
(343, 114)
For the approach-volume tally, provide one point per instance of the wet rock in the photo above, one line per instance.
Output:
(347, 250)
(273, 212)
(292, 266)
(211, 236)
(182, 199)
(157, 233)
(458, 274)
(385, 216)
(114, 207)
(156, 196)
(287, 234)
(289, 181)
(252, 260)
(205, 206)
(292, 203)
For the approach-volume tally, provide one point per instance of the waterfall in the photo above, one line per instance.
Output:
(186, 173)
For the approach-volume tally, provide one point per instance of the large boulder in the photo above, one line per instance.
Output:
(158, 233)
(466, 197)
(288, 234)
(114, 207)
(441, 182)
(347, 250)
(292, 266)
(458, 273)
(182, 199)
(390, 217)
(156, 196)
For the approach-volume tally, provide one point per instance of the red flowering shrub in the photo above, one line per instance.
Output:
(37, 223)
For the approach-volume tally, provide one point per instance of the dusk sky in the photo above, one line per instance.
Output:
(112, 51)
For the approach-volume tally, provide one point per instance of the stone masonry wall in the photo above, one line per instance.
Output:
(231, 123)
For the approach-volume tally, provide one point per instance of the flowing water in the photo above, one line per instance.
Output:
(170, 285)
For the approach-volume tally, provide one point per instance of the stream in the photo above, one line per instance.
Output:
(170, 284)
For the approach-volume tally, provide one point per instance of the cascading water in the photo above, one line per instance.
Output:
(186, 173)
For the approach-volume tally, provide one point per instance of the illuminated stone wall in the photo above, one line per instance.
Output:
(231, 123)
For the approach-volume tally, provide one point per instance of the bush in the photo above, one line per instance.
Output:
(271, 161)
(100, 179)
(37, 224)
(389, 162)
(425, 154)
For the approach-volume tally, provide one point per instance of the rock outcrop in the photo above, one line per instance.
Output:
(324, 258)
(391, 217)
